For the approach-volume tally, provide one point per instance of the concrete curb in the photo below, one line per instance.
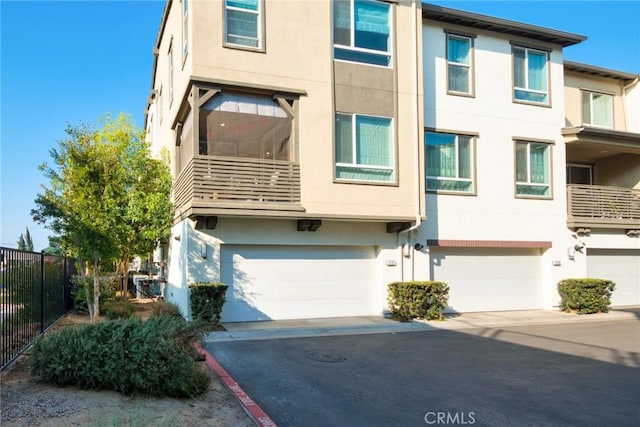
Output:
(256, 413)
(355, 326)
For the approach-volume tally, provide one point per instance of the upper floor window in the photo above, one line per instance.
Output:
(170, 61)
(530, 75)
(160, 105)
(246, 125)
(362, 31)
(450, 162)
(597, 109)
(364, 148)
(579, 174)
(243, 23)
(533, 169)
(185, 29)
(459, 64)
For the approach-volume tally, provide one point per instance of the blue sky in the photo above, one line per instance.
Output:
(72, 62)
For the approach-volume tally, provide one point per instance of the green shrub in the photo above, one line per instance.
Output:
(421, 300)
(108, 286)
(119, 309)
(124, 355)
(585, 296)
(207, 299)
(163, 308)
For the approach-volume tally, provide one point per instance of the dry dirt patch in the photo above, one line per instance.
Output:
(27, 402)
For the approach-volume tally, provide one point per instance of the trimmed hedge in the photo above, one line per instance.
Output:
(418, 300)
(129, 356)
(586, 295)
(207, 299)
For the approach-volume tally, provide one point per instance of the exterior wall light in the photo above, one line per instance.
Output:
(203, 250)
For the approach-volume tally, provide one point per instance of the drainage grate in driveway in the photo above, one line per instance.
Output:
(325, 356)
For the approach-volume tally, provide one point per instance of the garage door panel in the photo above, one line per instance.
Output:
(489, 279)
(282, 282)
(622, 266)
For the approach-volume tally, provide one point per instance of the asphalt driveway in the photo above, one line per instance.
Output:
(574, 374)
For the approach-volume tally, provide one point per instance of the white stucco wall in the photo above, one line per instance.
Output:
(632, 107)
(494, 213)
(186, 265)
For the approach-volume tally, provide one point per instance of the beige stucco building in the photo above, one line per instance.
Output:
(298, 132)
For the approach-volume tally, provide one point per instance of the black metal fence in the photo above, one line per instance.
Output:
(35, 291)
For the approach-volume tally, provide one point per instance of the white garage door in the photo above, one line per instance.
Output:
(297, 282)
(622, 266)
(489, 279)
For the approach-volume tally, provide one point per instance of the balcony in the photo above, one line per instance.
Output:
(212, 185)
(603, 207)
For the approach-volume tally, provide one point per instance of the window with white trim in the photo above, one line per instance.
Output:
(160, 105)
(185, 29)
(243, 23)
(170, 59)
(459, 64)
(533, 169)
(530, 75)
(364, 148)
(597, 109)
(449, 159)
(362, 31)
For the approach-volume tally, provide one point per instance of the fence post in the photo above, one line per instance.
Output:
(42, 277)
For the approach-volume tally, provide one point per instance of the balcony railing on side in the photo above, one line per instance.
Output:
(220, 181)
(603, 206)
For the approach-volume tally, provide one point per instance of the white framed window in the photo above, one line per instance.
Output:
(185, 29)
(243, 23)
(170, 60)
(362, 31)
(597, 109)
(530, 75)
(533, 169)
(364, 148)
(160, 105)
(459, 64)
(449, 159)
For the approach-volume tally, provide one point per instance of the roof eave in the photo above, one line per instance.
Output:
(499, 25)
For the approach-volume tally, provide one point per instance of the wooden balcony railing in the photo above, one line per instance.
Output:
(603, 207)
(208, 181)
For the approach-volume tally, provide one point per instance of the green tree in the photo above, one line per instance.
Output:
(54, 248)
(107, 199)
(22, 246)
(28, 241)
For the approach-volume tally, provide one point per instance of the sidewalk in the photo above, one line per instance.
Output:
(274, 329)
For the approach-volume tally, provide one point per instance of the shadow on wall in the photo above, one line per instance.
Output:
(242, 294)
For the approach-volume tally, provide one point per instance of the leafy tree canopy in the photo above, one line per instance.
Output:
(107, 199)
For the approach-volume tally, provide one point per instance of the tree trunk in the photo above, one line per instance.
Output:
(87, 287)
(96, 289)
(122, 268)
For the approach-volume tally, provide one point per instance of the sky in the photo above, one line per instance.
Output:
(72, 62)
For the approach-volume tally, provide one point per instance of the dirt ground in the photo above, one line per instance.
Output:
(27, 402)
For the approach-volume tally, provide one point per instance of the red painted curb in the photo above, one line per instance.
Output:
(252, 408)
